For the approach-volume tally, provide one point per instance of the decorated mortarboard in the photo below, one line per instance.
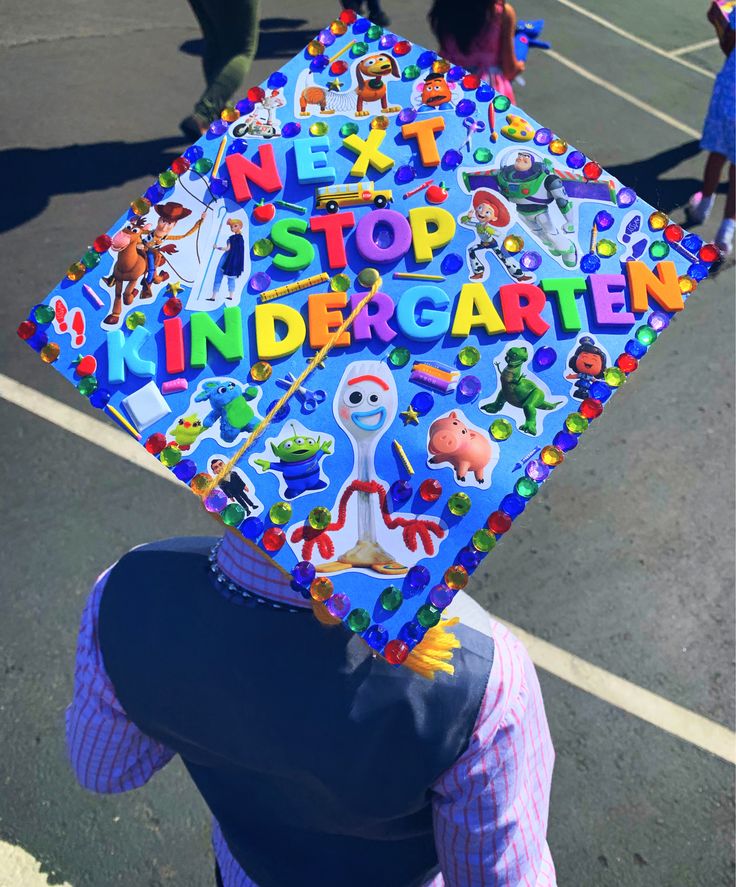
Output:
(366, 316)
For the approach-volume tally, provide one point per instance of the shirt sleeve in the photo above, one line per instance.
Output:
(490, 808)
(107, 751)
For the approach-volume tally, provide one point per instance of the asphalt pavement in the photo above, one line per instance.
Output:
(626, 559)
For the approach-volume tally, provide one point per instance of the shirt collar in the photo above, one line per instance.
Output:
(252, 569)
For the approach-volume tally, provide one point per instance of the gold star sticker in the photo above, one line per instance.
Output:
(174, 287)
(410, 415)
(335, 85)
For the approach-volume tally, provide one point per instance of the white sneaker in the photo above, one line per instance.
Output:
(724, 237)
(699, 207)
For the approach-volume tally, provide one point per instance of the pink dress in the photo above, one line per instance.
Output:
(484, 56)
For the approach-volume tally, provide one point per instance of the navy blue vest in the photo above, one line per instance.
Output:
(315, 757)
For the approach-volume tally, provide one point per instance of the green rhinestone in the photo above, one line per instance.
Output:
(576, 423)
(374, 32)
(203, 165)
(606, 248)
(134, 319)
(501, 429)
(91, 258)
(87, 386)
(659, 249)
(319, 517)
(359, 620)
(170, 456)
(348, 129)
(368, 276)
(167, 179)
(526, 487)
(319, 128)
(263, 247)
(411, 72)
(340, 283)
(43, 314)
(501, 103)
(391, 598)
(482, 155)
(233, 515)
(646, 335)
(483, 540)
(279, 512)
(614, 377)
(459, 504)
(359, 48)
(469, 356)
(428, 616)
(399, 357)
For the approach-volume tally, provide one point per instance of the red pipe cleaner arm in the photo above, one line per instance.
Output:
(412, 527)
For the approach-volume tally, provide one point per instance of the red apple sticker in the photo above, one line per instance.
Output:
(437, 193)
(264, 212)
(86, 366)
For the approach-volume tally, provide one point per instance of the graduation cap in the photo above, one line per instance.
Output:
(383, 301)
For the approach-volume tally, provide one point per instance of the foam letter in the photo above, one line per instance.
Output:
(228, 341)
(608, 294)
(663, 287)
(302, 251)
(517, 316)
(366, 323)
(365, 239)
(323, 319)
(174, 342)
(122, 353)
(332, 225)
(242, 171)
(424, 132)
(368, 153)
(566, 290)
(425, 241)
(311, 161)
(475, 308)
(268, 346)
(419, 322)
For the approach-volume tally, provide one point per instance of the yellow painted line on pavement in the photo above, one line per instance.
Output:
(622, 94)
(645, 44)
(610, 688)
(19, 869)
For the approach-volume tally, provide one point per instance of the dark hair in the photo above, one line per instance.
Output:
(463, 21)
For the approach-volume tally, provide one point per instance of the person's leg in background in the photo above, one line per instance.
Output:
(725, 235)
(701, 202)
(230, 30)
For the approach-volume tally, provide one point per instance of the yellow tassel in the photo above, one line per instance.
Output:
(434, 652)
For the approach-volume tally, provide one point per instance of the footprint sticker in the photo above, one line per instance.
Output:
(71, 322)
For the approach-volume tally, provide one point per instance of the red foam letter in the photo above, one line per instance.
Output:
(516, 315)
(332, 226)
(174, 342)
(242, 171)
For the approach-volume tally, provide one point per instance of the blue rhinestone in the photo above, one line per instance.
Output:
(600, 391)
(376, 637)
(635, 348)
(565, 440)
(513, 505)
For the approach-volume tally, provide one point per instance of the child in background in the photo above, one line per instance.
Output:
(481, 39)
(719, 139)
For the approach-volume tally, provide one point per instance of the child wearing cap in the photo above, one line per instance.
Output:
(320, 762)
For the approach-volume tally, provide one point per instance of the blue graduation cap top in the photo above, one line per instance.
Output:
(474, 288)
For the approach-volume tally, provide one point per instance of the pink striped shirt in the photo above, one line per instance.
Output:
(490, 808)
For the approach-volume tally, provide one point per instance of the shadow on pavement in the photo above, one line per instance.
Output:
(645, 176)
(77, 169)
(278, 38)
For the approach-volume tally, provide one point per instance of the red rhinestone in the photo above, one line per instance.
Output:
(673, 233)
(591, 408)
(180, 165)
(156, 443)
(592, 170)
(471, 81)
(273, 539)
(256, 94)
(338, 67)
(430, 490)
(499, 522)
(627, 363)
(401, 48)
(348, 16)
(102, 243)
(396, 652)
(26, 329)
(709, 252)
(172, 306)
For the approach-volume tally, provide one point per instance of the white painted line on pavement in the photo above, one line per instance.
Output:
(19, 869)
(584, 675)
(645, 44)
(622, 94)
(694, 47)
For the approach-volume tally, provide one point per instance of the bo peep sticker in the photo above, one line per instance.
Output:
(226, 267)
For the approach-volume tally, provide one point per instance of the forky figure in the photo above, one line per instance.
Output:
(366, 405)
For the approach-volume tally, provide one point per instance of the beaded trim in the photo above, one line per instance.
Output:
(239, 595)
